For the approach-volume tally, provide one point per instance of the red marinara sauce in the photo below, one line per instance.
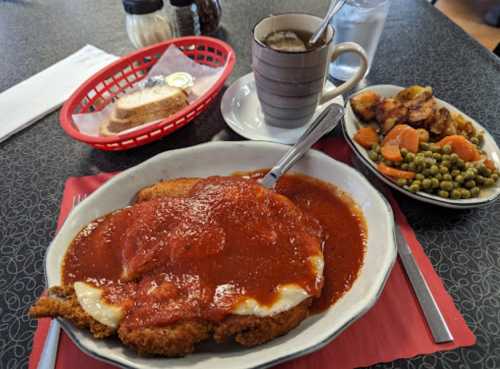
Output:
(344, 227)
(197, 256)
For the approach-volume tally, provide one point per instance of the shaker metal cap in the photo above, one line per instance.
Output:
(181, 2)
(142, 6)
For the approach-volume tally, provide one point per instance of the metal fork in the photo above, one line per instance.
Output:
(49, 354)
(433, 316)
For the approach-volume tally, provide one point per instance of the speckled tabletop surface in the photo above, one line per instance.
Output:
(418, 45)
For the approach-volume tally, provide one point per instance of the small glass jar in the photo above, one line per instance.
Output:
(210, 12)
(187, 19)
(146, 22)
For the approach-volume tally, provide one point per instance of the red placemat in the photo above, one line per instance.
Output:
(394, 328)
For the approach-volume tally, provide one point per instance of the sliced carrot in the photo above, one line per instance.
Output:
(394, 173)
(394, 135)
(391, 152)
(462, 147)
(366, 137)
(410, 139)
(488, 163)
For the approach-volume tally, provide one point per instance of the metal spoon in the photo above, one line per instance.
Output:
(335, 6)
(326, 121)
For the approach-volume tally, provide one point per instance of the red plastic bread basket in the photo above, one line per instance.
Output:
(112, 81)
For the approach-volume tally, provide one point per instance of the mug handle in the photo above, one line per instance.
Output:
(341, 48)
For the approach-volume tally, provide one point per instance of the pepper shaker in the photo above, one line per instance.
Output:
(187, 20)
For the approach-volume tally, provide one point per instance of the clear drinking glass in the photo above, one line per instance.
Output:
(360, 21)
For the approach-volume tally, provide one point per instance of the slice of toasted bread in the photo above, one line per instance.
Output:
(143, 106)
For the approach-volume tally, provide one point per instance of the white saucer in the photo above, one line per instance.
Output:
(240, 108)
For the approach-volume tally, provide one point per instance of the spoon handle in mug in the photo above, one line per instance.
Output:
(325, 121)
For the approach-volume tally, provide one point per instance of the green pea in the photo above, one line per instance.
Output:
(494, 177)
(469, 165)
(443, 170)
(465, 194)
(480, 180)
(436, 156)
(446, 185)
(446, 163)
(434, 169)
(435, 149)
(453, 158)
(376, 147)
(446, 157)
(434, 183)
(414, 188)
(373, 155)
(474, 140)
(455, 184)
(428, 154)
(484, 171)
(426, 183)
(460, 178)
(410, 157)
(404, 152)
(424, 146)
(402, 182)
(412, 167)
(470, 183)
(460, 164)
(447, 177)
(489, 182)
(404, 166)
(443, 193)
(438, 176)
(426, 172)
(420, 176)
(430, 162)
(469, 174)
(419, 159)
(474, 191)
(455, 172)
(447, 149)
(456, 194)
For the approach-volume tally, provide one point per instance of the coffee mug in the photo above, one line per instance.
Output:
(290, 85)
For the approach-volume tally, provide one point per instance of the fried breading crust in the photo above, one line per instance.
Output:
(62, 302)
(177, 339)
(249, 330)
(178, 187)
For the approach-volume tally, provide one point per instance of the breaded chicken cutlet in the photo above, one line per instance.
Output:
(178, 338)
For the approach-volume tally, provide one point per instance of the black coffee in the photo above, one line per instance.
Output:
(291, 41)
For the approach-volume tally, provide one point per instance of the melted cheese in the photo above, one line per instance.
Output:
(289, 296)
(90, 299)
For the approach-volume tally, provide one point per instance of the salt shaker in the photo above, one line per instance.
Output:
(187, 19)
(146, 22)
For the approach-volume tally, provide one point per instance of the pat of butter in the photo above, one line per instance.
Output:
(181, 80)
(90, 299)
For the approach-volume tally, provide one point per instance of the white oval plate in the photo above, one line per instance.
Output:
(351, 124)
(224, 158)
(241, 110)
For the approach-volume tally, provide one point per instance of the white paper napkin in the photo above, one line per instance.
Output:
(30, 100)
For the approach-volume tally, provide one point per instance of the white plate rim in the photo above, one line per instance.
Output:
(389, 263)
(362, 154)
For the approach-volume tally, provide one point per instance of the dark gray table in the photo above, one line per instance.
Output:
(418, 45)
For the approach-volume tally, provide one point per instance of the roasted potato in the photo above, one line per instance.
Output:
(415, 92)
(390, 112)
(365, 104)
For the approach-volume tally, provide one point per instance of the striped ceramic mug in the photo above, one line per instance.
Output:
(290, 85)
